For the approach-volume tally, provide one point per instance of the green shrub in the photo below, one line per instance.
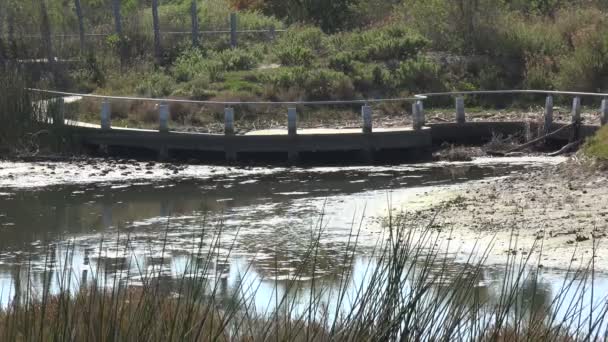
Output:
(418, 75)
(342, 61)
(387, 43)
(156, 85)
(315, 84)
(294, 55)
(188, 65)
(597, 147)
(236, 59)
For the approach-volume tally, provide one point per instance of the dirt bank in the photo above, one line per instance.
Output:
(554, 216)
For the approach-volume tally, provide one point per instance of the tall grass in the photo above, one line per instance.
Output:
(16, 111)
(411, 291)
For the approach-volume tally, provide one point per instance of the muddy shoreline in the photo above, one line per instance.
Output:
(556, 218)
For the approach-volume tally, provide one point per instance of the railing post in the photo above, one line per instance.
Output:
(194, 18)
(415, 117)
(421, 116)
(229, 121)
(292, 121)
(59, 118)
(604, 112)
(548, 114)
(233, 28)
(366, 114)
(460, 113)
(273, 33)
(163, 114)
(418, 115)
(106, 120)
(576, 118)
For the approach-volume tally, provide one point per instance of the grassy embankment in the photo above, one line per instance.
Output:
(398, 49)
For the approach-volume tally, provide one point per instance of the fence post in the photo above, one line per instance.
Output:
(45, 30)
(158, 54)
(195, 29)
(233, 28)
(604, 112)
(229, 121)
(118, 28)
(548, 114)
(106, 120)
(163, 115)
(78, 8)
(460, 113)
(273, 32)
(366, 114)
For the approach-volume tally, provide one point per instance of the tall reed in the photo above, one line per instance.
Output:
(412, 290)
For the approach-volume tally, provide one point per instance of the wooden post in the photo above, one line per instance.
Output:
(195, 28)
(273, 33)
(460, 113)
(366, 114)
(78, 8)
(106, 120)
(163, 115)
(233, 28)
(45, 31)
(604, 112)
(157, 48)
(292, 121)
(548, 114)
(229, 121)
(576, 118)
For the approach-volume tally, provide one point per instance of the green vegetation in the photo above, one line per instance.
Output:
(343, 49)
(597, 147)
(411, 291)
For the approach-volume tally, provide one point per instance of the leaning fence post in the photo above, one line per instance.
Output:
(78, 9)
(194, 17)
(229, 121)
(163, 114)
(105, 115)
(460, 114)
(604, 112)
(233, 27)
(548, 114)
(157, 48)
(366, 114)
(292, 121)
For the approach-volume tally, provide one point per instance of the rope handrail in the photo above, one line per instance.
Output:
(515, 91)
(231, 103)
(414, 98)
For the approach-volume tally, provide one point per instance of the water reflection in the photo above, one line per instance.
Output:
(237, 233)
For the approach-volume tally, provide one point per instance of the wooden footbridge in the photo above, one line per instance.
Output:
(364, 144)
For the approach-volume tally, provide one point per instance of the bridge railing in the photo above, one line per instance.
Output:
(366, 119)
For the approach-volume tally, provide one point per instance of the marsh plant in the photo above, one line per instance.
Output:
(410, 290)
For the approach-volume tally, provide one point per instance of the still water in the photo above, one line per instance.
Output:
(256, 226)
